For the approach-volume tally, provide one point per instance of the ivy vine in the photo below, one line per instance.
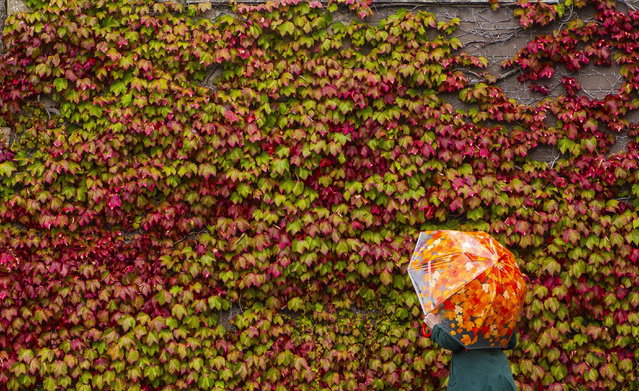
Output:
(231, 203)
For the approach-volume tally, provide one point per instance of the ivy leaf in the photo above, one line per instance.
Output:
(570, 236)
(295, 304)
(280, 166)
(364, 269)
(127, 322)
(578, 269)
(476, 214)
(522, 227)
(7, 168)
(47, 354)
(132, 356)
(118, 88)
(385, 277)
(25, 355)
(49, 384)
(59, 368)
(126, 61)
(178, 311)
(286, 28)
(60, 84)
(163, 297)
(558, 371)
(633, 236)
(226, 374)
(126, 99)
(114, 201)
(215, 302)
(152, 372)
(231, 116)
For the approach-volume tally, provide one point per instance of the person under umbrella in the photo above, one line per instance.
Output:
(474, 369)
(472, 292)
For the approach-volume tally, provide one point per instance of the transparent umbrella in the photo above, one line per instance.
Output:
(472, 282)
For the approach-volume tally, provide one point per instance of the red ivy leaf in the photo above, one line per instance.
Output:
(114, 201)
(231, 116)
(570, 236)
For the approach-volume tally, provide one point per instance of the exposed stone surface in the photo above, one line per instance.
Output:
(3, 16)
(545, 153)
(16, 6)
(620, 145)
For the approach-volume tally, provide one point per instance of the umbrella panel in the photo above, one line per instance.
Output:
(441, 278)
(484, 313)
(443, 261)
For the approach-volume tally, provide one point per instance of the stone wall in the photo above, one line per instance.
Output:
(3, 15)
(15, 6)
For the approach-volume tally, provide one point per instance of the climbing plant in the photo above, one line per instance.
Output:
(230, 204)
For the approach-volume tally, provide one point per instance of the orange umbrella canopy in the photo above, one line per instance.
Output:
(472, 282)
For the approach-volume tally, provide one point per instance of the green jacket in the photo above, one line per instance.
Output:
(476, 369)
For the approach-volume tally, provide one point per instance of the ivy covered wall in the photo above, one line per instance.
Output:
(231, 203)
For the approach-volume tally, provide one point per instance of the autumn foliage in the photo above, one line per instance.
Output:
(231, 204)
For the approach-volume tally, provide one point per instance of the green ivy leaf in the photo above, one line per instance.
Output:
(49, 384)
(132, 356)
(286, 28)
(60, 84)
(386, 278)
(295, 304)
(25, 355)
(127, 322)
(475, 214)
(178, 311)
(633, 236)
(7, 168)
